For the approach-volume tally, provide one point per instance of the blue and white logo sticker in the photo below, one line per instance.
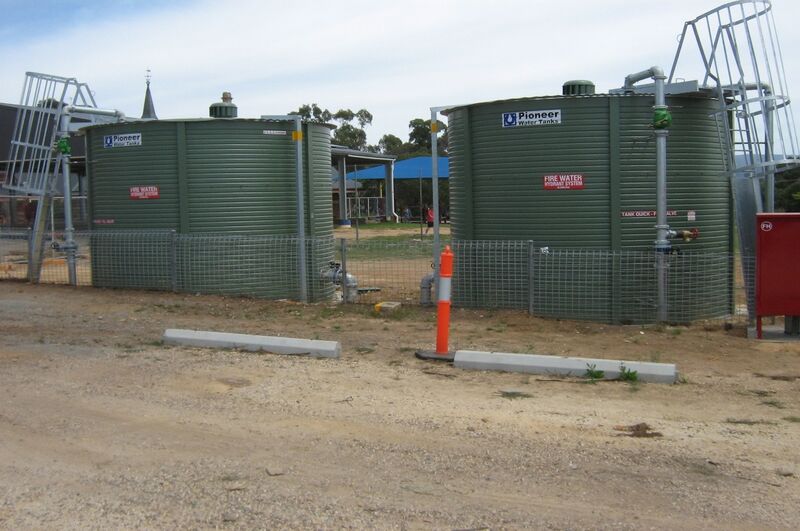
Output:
(124, 140)
(525, 118)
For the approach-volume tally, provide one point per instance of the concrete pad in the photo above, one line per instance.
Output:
(772, 333)
(563, 366)
(276, 345)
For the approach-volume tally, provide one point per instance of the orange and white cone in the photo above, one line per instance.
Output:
(443, 309)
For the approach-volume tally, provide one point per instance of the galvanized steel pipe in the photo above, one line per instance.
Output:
(70, 246)
(662, 243)
(297, 137)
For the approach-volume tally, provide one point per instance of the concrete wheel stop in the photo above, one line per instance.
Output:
(431, 355)
(564, 366)
(276, 345)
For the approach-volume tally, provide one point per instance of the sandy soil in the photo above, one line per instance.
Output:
(101, 426)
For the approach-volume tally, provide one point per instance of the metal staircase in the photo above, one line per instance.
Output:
(741, 60)
(50, 108)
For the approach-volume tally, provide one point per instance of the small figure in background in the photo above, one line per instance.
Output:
(30, 212)
(406, 215)
(428, 218)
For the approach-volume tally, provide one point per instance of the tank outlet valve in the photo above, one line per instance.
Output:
(685, 234)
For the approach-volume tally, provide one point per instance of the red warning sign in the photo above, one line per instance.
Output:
(144, 192)
(563, 181)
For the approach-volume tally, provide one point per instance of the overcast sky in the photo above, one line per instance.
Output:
(395, 59)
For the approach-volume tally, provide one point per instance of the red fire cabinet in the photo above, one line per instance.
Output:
(777, 265)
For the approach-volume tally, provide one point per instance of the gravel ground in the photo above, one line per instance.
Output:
(102, 426)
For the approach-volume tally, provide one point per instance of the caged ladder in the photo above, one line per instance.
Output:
(51, 107)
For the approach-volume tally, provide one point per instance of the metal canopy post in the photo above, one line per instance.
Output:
(435, 189)
(344, 217)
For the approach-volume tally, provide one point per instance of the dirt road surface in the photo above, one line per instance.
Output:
(103, 427)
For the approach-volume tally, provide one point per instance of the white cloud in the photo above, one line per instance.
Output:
(394, 58)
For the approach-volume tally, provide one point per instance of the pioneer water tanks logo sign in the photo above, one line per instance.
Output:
(126, 140)
(525, 118)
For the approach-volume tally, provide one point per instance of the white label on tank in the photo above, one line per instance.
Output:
(524, 118)
(125, 140)
(274, 132)
(691, 215)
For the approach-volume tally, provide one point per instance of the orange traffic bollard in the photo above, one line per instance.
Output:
(443, 308)
(442, 311)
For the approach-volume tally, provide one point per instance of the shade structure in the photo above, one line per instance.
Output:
(413, 168)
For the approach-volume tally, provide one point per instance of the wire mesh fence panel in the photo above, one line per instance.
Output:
(132, 259)
(701, 286)
(491, 274)
(257, 266)
(13, 255)
(388, 270)
(582, 284)
(572, 284)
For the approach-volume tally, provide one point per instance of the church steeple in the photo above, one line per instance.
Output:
(149, 110)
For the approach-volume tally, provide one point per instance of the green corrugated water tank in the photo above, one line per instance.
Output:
(228, 183)
(578, 172)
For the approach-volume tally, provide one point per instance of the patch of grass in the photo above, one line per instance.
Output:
(593, 373)
(655, 356)
(513, 395)
(337, 327)
(627, 375)
(365, 350)
(792, 418)
(774, 403)
(499, 327)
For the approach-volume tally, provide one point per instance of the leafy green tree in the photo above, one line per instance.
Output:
(787, 191)
(313, 113)
(346, 134)
(390, 144)
(420, 135)
(351, 136)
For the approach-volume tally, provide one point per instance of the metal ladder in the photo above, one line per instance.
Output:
(742, 62)
(39, 156)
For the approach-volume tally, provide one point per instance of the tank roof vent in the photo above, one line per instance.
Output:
(224, 108)
(577, 87)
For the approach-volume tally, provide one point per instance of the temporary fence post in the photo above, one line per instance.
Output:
(530, 277)
(345, 287)
(30, 254)
(173, 260)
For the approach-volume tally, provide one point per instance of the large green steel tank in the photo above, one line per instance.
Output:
(578, 172)
(220, 198)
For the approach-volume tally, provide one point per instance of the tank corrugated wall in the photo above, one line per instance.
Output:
(215, 177)
(497, 193)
